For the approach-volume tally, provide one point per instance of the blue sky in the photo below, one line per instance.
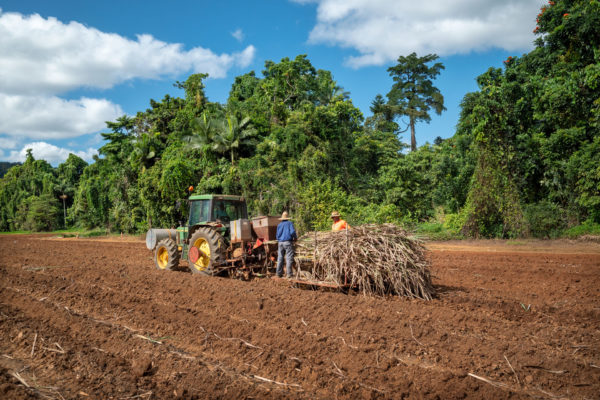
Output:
(68, 66)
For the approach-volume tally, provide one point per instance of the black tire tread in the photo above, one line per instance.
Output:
(217, 248)
(173, 252)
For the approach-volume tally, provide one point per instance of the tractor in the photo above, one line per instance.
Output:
(218, 238)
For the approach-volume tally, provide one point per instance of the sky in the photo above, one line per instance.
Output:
(68, 66)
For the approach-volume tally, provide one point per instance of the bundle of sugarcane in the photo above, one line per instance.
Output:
(375, 259)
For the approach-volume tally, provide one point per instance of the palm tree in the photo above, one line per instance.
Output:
(232, 134)
(144, 150)
(203, 132)
(332, 92)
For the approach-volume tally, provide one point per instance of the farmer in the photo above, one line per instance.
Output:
(338, 223)
(286, 235)
(221, 213)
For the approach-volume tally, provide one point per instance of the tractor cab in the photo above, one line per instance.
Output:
(215, 210)
(206, 237)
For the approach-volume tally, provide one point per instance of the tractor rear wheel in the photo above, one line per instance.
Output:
(166, 255)
(209, 252)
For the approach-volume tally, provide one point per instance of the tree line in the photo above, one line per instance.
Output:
(524, 159)
(5, 166)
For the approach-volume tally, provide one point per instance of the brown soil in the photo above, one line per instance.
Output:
(94, 319)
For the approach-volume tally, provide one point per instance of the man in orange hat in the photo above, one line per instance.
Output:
(286, 235)
(338, 223)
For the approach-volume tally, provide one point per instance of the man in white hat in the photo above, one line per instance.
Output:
(286, 235)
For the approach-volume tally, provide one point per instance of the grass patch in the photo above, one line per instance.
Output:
(93, 233)
(436, 231)
(586, 228)
(66, 233)
(82, 234)
(73, 230)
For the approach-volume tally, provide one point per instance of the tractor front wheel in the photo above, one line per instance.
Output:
(207, 250)
(166, 255)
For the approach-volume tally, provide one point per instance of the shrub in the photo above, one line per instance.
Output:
(546, 219)
(586, 228)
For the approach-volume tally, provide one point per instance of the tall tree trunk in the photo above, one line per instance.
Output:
(413, 139)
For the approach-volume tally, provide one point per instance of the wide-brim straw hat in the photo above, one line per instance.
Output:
(284, 216)
(335, 214)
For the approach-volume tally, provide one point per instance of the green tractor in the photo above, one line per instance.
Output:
(218, 237)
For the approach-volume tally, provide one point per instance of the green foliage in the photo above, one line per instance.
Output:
(317, 200)
(451, 169)
(545, 219)
(288, 85)
(163, 191)
(22, 186)
(567, 134)
(39, 213)
(453, 223)
(583, 169)
(145, 150)
(493, 205)
(587, 227)
(231, 135)
(5, 166)
(535, 130)
(407, 183)
(93, 198)
(436, 231)
(203, 130)
(68, 176)
(194, 90)
(282, 140)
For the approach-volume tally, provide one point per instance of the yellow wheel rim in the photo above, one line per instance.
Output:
(204, 260)
(162, 257)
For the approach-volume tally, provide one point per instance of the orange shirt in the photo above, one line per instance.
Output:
(339, 226)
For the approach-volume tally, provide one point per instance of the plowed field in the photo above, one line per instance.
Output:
(93, 319)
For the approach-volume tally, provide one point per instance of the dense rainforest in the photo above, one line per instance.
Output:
(524, 160)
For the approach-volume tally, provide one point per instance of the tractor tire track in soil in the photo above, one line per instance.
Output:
(94, 319)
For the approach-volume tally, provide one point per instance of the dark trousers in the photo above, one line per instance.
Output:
(285, 249)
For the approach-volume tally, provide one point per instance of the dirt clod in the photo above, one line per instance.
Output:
(141, 366)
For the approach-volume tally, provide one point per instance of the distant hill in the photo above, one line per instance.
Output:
(5, 166)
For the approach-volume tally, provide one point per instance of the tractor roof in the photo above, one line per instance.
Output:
(216, 197)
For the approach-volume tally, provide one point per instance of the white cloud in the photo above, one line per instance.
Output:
(382, 30)
(45, 55)
(245, 58)
(42, 58)
(46, 151)
(238, 34)
(50, 117)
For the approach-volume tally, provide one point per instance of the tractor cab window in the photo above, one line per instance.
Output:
(199, 211)
(226, 210)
